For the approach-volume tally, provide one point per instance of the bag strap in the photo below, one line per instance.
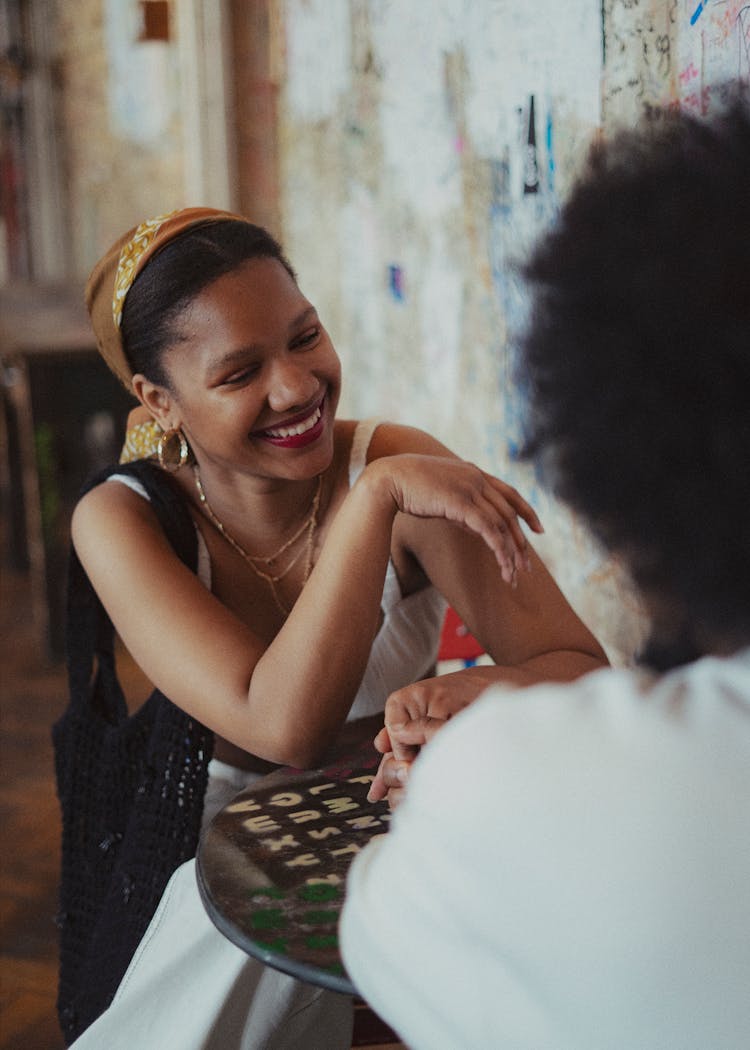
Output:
(92, 672)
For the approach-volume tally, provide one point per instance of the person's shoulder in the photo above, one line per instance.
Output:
(507, 732)
(393, 439)
(110, 505)
(544, 710)
(612, 718)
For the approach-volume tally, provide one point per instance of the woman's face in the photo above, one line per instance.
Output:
(255, 378)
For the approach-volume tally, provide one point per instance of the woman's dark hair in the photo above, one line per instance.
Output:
(175, 276)
(637, 363)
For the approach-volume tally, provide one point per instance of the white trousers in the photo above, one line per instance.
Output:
(189, 988)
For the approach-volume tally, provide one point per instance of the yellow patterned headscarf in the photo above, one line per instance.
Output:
(141, 441)
(113, 276)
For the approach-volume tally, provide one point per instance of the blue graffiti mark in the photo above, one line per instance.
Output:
(697, 13)
(550, 153)
(396, 282)
(512, 229)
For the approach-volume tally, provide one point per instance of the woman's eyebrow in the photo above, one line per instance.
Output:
(308, 314)
(239, 356)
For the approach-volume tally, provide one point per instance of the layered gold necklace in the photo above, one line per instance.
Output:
(309, 525)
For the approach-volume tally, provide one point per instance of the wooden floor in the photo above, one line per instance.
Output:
(32, 695)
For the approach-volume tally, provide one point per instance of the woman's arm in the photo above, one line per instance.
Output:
(285, 700)
(528, 628)
(523, 622)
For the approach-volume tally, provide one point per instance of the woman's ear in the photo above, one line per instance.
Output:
(156, 400)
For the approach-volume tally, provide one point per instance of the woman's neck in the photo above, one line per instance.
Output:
(258, 515)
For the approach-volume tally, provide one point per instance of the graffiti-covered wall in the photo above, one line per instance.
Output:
(424, 145)
(673, 53)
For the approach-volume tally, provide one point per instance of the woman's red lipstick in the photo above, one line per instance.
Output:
(298, 431)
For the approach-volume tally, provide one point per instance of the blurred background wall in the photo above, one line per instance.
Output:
(406, 152)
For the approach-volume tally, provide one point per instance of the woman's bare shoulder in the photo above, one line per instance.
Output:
(392, 439)
(110, 508)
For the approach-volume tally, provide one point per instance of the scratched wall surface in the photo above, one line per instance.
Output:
(424, 146)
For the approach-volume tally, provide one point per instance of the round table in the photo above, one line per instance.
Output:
(272, 864)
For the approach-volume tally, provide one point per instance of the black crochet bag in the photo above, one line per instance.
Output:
(131, 788)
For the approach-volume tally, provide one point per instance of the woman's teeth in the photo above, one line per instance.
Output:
(298, 428)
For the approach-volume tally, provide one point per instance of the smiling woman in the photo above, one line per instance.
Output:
(283, 573)
(248, 369)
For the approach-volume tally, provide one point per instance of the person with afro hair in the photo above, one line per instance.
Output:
(568, 867)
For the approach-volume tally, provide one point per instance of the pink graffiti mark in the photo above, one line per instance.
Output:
(689, 73)
(697, 101)
(725, 22)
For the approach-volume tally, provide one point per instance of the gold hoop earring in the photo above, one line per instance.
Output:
(166, 461)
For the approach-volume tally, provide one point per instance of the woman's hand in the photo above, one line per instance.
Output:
(427, 486)
(412, 717)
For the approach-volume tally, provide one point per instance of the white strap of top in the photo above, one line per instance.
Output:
(357, 459)
(360, 443)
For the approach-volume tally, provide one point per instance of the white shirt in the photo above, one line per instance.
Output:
(570, 870)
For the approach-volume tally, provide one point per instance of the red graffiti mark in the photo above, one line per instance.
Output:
(697, 101)
(689, 73)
